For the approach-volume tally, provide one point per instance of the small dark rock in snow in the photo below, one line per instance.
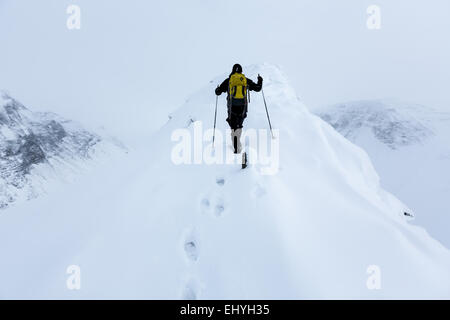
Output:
(220, 181)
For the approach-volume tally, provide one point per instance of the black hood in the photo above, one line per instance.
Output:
(237, 68)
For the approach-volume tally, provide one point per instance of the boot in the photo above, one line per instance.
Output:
(236, 139)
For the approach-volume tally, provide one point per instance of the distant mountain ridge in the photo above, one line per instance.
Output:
(389, 124)
(35, 140)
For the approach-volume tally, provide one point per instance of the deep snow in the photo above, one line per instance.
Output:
(140, 226)
(409, 145)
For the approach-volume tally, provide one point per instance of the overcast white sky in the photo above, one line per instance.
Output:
(133, 61)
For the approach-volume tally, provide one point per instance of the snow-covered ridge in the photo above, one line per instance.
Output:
(35, 144)
(214, 231)
(325, 206)
(409, 145)
(392, 124)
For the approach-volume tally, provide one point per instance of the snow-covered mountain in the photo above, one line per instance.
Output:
(144, 226)
(393, 125)
(409, 145)
(34, 146)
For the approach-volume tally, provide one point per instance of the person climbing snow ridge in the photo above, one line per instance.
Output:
(237, 87)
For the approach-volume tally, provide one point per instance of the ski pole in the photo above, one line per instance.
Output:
(267, 112)
(215, 117)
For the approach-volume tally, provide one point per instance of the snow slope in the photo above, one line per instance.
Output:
(409, 145)
(144, 227)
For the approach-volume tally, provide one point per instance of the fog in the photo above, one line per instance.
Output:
(133, 62)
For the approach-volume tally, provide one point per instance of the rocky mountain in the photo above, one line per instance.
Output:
(35, 144)
(395, 127)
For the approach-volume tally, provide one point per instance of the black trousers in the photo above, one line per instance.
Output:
(237, 112)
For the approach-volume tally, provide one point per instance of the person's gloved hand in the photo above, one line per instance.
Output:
(218, 93)
(260, 79)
